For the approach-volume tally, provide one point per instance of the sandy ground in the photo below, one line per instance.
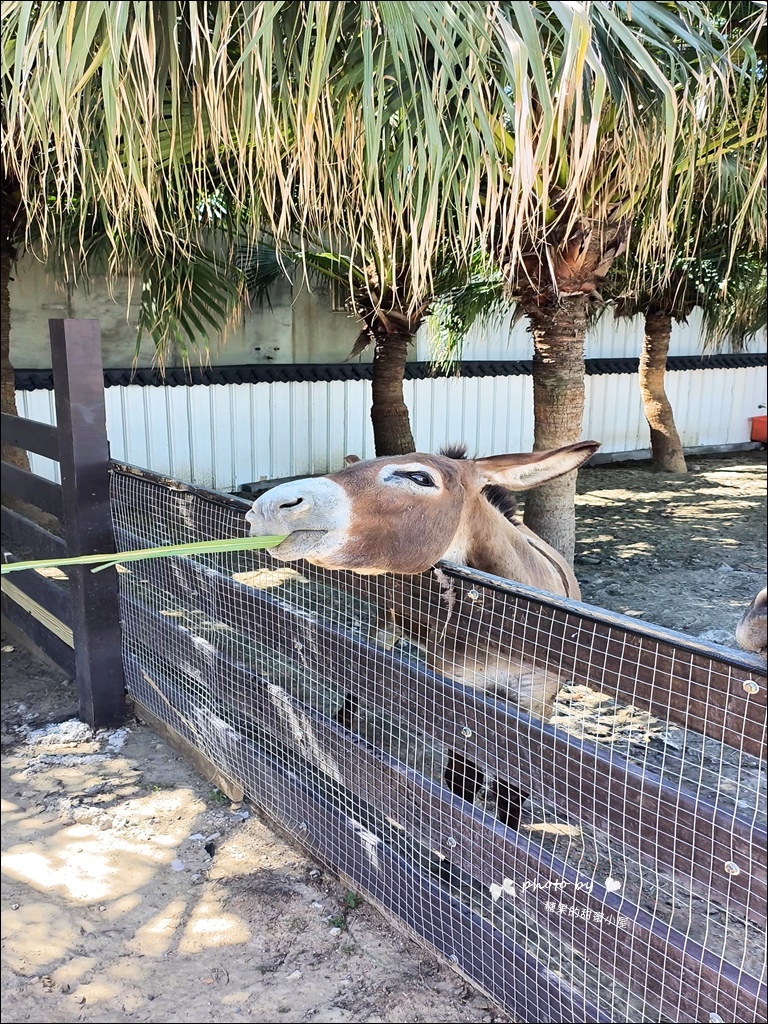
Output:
(134, 891)
(686, 552)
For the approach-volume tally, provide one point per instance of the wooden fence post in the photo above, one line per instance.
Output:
(84, 459)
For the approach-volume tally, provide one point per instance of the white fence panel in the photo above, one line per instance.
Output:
(614, 413)
(39, 405)
(225, 436)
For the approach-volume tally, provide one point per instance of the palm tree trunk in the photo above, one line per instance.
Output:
(666, 449)
(16, 456)
(389, 413)
(558, 409)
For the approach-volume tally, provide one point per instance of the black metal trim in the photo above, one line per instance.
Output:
(177, 376)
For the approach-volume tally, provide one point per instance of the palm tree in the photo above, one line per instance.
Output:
(400, 135)
(310, 119)
(555, 280)
(555, 276)
(380, 299)
(389, 319)
(719, 248)
(732, 296)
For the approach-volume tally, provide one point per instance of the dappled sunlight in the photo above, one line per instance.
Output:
(157, 935)
(715, 506)
(622, 497)
(242, 856)
(685, 552)
(94, 880)
(128, 970)
(73, 970)
(83, 864)
(239, 998)
(99, 991)
(636, 548)
(78, 868)
(553, 828)
(13, 810)
(734, 475)
(208, 927)
(179, 804)
(711, 538)
(38, 934)
(52, 573)
(645, 505)
(122, 906)
(263, 579)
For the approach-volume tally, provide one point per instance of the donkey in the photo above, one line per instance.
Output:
(402, 514)
(752, 630)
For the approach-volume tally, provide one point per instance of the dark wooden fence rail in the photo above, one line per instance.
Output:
(270, 743)
(689, 682)
(691, 980)
(77, 626)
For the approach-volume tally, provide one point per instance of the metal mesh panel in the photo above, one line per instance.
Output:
(608, 865)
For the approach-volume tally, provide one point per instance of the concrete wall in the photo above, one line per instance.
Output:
(299, 327)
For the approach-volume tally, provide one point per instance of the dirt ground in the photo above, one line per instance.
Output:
(134, 891)
(686, 552)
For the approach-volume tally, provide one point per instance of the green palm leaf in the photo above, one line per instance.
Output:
(207, 547)
(382, 128)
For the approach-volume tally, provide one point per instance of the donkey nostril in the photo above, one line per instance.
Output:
(291, 504)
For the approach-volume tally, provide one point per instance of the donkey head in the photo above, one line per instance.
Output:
(403, 513)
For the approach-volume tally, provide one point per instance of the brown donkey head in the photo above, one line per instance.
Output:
(404, 513)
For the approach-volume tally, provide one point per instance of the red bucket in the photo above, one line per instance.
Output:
(758, 428)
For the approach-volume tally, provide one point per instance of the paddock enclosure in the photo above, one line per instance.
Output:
(609, 865)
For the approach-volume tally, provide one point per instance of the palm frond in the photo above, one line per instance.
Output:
(109, 561)
(394, 130)
(736, 309)
(261, 266)
(480, 299)
(186, 295)
(185, 301)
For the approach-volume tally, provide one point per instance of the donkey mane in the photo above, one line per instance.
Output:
(454, 451)
(502, 498)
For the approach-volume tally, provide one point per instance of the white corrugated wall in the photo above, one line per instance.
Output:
(225, 436)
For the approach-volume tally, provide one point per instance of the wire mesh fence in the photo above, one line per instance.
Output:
(605, 864)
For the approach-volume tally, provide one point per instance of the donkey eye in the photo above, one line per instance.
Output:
(422, 479)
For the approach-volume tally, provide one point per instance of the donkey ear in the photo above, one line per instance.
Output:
(522, 472)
